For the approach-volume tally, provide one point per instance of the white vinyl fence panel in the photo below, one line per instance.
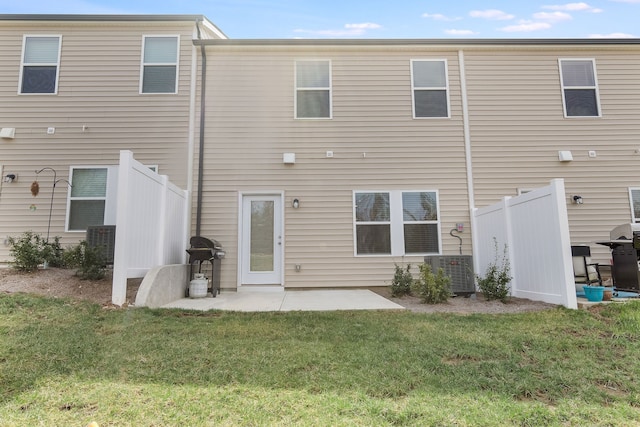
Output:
(151, 224)
(535, 229)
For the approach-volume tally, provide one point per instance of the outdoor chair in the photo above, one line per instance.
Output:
(584, 271)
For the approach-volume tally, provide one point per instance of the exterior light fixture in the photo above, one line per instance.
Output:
(295, 203)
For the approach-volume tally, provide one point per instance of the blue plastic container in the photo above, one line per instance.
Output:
(594, 293)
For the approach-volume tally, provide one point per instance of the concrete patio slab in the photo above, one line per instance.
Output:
(263, 300)
(322, 300)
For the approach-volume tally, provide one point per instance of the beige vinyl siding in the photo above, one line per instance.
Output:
(376, 145)
(220, 213)
(98, 88)
(517, 129)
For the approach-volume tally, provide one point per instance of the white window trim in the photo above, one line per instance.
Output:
(396, 223)
(110, 197)
(595, 87)
(176, 64)
(633, 212)
(445, 88)
(23, 64)
(296, 89)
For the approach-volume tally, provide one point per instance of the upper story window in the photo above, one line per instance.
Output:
(430, 88)
(396, 223)
(579, 88)
(159, 64)
(313, 89)
(40, 64)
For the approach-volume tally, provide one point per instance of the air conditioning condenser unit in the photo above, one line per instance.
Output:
(459, 268)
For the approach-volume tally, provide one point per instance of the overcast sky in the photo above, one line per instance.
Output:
(376, 18)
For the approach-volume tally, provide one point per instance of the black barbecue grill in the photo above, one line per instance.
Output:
(205, 257)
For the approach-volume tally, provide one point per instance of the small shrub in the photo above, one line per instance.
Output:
(432, 288)
(402, 281)
(52, 253)
(89, 261)
(27, 251)
(495, 283)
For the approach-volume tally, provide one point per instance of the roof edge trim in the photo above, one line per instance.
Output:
(80, 17)
(433, 42)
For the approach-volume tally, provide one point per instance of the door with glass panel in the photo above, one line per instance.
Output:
(261, 252)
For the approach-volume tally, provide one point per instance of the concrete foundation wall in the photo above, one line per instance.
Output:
(162, 285)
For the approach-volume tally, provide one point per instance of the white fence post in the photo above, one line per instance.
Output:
(564, 236)
(162, 211)
(508, 231)
(119, 285)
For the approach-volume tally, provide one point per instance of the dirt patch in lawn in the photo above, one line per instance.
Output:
(63, 283)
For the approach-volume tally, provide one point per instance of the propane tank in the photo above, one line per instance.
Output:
(198, 286)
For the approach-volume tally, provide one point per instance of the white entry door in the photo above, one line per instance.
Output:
(261, 240)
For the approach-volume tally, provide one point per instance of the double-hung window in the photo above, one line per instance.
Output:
(159, 69)
(40, 64)
(373, 223)
(420, 222)
(313, 89)
(430, 88)
(92, 197)
(579, 88)
(396, 223)
(634, 199)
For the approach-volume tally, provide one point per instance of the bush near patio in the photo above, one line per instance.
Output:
(432, 288)
(88, 261)
(495, 283)
(30, 250)
(429, 287)
(402, 281)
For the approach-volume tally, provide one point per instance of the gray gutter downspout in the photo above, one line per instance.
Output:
(203, 87)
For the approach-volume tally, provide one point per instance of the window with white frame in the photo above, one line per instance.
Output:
(313, 89)
(420, 222)
(159, 64)
(430, 88)
(634, 199)
(40, 64)
(579, 88)
(92, 198)
(396, 223)
(373, 223)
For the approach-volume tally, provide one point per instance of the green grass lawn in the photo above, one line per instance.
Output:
(67, 363)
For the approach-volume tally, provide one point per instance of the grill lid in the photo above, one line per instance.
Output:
(200, 242)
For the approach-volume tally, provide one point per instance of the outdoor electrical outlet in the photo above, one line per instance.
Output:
(460, 227)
